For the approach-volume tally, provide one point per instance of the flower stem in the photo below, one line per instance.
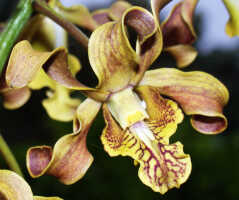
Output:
(9, 157)
(13, 28)
(41, 7)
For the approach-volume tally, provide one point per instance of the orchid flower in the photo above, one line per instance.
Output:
(14, 187)
(45, 35)
(139, 121)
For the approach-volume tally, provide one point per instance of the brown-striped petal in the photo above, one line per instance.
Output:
(25, 62)
(70, 158)
(178, 30)
(232, 27)
(199, 94)
(113, 59)
(162, 166)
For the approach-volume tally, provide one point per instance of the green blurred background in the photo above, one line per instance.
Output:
(215, 160)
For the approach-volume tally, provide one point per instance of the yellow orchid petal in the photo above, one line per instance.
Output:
(178, 30)
(70, 158)
(77, 14)
(162, 166)
(14, 187)
(232, 27)
(199, 94)
(59, 105)
(113, 59)
(164, 114)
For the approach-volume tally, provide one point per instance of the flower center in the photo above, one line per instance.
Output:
(127, 108)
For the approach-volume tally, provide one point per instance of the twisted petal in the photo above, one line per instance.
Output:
(15, 98)
(25, 68)
(59, 105)
(162, 166)
(199, 94)
(14, 187)
(25, 62)
(70, 159)
(232, 27)
(179, 34)
(113, 59)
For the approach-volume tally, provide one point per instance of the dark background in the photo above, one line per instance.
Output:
(215, 172)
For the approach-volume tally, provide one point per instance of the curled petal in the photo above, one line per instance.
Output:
(164, 114)
(184, 54)
(15, 98)
(232, 27)
(178, 30)
(14, 187)
(198, 93)
(25, 62)
(59, 105)
(70, 158)
(113, 59)
(162, 166)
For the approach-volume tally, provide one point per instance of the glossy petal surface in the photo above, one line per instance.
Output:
(198, 93)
